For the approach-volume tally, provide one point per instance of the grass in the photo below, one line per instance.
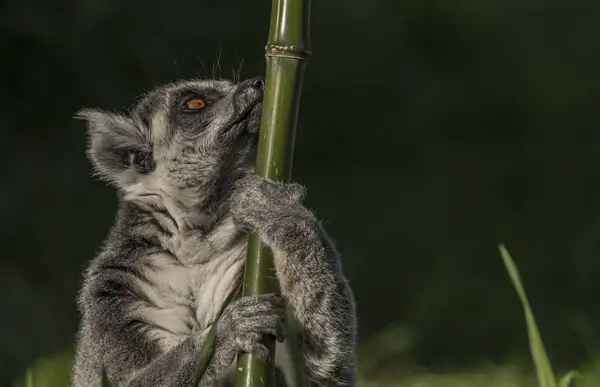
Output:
(546, 377)
(54, 371)
(48, 372)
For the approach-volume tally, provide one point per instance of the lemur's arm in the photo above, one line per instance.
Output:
(309, 272)
(132, 359)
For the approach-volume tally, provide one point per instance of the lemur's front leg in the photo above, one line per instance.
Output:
(310, 274)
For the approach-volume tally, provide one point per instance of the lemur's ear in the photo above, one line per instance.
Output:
(115, 144)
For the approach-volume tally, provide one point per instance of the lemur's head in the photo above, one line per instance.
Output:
(187, 134)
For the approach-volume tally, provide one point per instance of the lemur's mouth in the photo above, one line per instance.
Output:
(248, 120)
(253, 118)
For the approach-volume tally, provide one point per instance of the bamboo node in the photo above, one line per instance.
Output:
(276, 50)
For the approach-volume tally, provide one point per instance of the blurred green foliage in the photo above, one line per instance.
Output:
(429, 131)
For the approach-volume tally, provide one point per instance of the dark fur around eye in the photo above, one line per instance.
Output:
(183, 106)
(143, 161)
(124, 156)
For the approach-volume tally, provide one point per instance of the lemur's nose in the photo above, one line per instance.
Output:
(258, 83)
(255, 83)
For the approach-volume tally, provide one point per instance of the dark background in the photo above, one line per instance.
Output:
(429, 132)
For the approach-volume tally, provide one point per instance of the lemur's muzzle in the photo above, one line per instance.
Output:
(248, 98)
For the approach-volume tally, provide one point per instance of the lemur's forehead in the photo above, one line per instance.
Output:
(200, 86)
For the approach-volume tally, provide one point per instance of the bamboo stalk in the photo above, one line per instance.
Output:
(287, 51)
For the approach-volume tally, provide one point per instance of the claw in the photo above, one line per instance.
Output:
(281, 333)
(261, 351)
(251, 343)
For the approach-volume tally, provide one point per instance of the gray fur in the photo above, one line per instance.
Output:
(187, 197)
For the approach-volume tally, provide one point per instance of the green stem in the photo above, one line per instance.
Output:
(29, 378)
(287, 51)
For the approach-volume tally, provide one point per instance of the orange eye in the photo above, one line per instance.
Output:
(195, 103)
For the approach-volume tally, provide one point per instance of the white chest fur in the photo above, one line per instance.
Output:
(178, 300)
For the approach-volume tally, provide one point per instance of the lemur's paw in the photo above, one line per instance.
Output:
(246, 320)
(257, 189)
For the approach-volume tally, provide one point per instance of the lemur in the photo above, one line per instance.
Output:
(181, 161)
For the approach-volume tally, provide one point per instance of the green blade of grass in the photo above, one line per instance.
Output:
(105, 381)
(208, 348)
(29, 378)
(544, 371)
(569, 379)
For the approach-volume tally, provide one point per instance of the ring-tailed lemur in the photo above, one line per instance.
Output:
(181, 163)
